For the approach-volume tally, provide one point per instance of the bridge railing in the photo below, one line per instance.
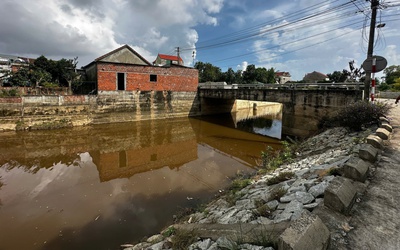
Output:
(298, 86)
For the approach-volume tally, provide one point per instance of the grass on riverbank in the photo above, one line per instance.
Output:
(272, 159)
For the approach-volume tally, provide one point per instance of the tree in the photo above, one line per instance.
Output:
(20, 78)
(391, 74)
(229, 76)
(250, 75)
(39, 76)
(208, 72)
(338, 76)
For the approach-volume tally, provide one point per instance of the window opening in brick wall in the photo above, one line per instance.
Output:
(121, 81)
(153, 78)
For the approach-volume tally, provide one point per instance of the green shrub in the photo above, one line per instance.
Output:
(169, 231)
(357, 115)
(9, 93)
(272, 159)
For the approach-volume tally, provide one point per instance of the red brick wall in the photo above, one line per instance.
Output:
(138, 77)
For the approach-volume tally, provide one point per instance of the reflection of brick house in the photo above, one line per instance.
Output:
(124, 69)
(163, 60)
(282, 77)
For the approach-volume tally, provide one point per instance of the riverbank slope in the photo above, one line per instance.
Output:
(372, 223)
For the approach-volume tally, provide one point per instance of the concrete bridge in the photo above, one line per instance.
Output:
(303, 105)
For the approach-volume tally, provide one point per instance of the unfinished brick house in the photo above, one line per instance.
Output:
(124, 69)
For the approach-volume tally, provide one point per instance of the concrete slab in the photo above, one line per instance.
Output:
(382, 133)
(368, 152)
(307, 232)
(356, 169)
(384, 119)
(375, 141)
(387, 126)
(340, 195)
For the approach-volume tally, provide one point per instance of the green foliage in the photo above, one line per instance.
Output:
(169, 231)
(283, 176)
(272, 159)
(338, 76)
(182, 239)
(58, 73)
(211, 73)
(9, 93)
(241, 181)
(262, 75)
(391, 74)
(396, 85)
(20, 78)
(208, 72)
(383, 87)
(239, 184)
(357, 115)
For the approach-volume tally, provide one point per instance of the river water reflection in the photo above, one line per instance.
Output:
(101, 186)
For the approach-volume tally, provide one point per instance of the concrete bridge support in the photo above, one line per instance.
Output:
(302, 109)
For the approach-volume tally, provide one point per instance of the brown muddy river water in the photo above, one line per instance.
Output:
(102, 186)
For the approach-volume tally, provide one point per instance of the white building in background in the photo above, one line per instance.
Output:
(282, 77)
(12, 64)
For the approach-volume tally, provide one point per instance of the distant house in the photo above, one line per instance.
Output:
(282, 77)
(163, 60)
(10, 63)
(314, 77)
(124, 69)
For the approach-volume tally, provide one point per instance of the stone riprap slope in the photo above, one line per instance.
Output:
(267, 209)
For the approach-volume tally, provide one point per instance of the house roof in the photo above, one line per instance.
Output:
(170, 57)
(112, 56)
(282, 74)
(314, 76)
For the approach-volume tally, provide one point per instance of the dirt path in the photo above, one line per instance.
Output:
(376, 219)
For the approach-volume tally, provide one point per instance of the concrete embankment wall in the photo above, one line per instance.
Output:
(40, 112)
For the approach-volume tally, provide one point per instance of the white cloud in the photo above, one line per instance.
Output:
(89, 29)
(242, 66)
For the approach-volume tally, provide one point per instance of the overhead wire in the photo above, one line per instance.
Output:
(326, 15)
(249, 33)
(292, 42)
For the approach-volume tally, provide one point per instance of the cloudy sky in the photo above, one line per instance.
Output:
(298, 36)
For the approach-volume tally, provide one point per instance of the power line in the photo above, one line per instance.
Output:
(288, 43)
(248, 34)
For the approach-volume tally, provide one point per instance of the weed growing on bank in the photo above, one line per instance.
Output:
(282, 176)
(241, 181)
(271, 159)
(182, 239)
(357, 116)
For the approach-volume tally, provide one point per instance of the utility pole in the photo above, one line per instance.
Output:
(367, 82)
(179, 58)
